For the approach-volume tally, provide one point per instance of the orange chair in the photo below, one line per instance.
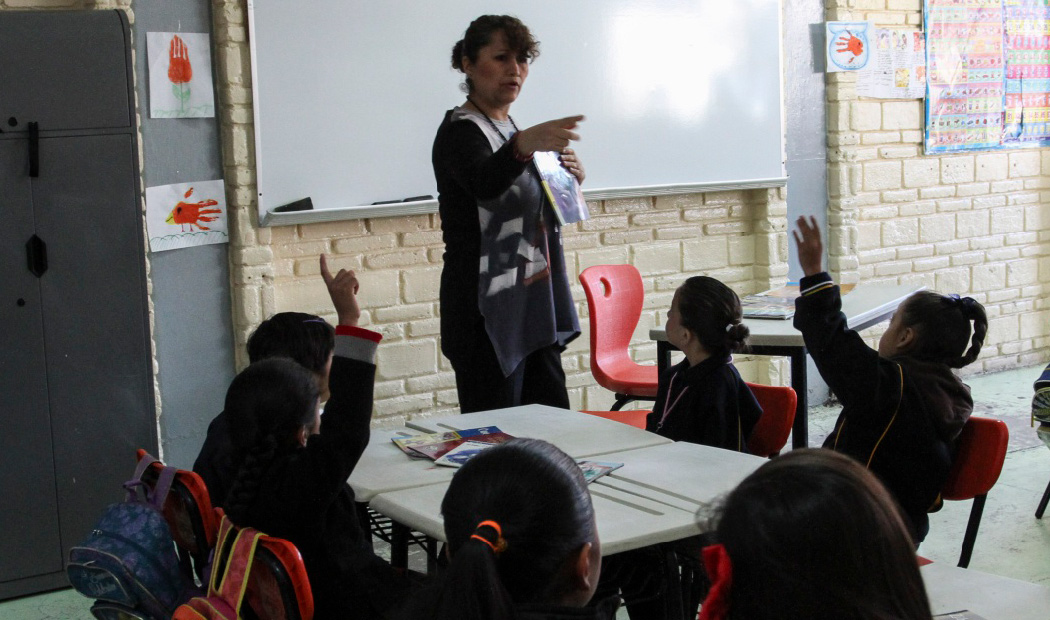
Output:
(980, 452)
(778, 413)
(631, 417)
(189, 514)
(614, 299)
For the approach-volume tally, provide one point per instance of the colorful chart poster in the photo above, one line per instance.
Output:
(1027, 44)
(897, 69)
(965, 86)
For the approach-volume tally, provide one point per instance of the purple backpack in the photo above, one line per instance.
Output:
(128, 562)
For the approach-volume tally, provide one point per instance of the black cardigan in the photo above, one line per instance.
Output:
(900, 417)
(717, 408)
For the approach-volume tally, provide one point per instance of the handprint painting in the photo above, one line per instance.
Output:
(180, 84)
(186, 214)
(847, 45)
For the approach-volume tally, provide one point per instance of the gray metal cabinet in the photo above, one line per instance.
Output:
(76, 380)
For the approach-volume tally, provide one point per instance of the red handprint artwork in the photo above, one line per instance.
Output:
(180, 72)
(190, 214)
(850, 44)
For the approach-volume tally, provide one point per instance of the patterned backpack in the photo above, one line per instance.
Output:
(128, 562)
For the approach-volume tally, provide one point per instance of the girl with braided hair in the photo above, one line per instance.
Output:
(811, 535)
(703, 399)
(902, 406)
(293, 464)
(522, 540)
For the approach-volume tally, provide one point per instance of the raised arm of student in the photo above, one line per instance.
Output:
(853, 370)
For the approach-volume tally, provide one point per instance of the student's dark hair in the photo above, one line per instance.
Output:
(306, 338)
(711, 310)
(267, 404)
(942, 326)
(816, 533)
(537, 495)
(480, 33)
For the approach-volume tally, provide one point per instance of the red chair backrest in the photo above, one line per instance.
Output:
(778, 414)
(631, 417)
(278, 587)
(615, 294)
(979, 456)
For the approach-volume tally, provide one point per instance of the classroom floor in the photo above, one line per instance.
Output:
(1011, 542)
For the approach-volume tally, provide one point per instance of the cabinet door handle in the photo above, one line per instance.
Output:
(36, 255)
(34, 149)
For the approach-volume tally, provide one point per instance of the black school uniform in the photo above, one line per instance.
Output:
(707, 404)
(900, 416)
(303, 496)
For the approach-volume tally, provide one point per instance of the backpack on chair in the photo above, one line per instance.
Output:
(128, 562)
(234, 552)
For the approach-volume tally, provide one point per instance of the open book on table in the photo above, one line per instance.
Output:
(776, 303)
(435, 445)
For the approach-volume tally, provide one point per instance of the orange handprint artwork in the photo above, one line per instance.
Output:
(847, 45)
(180, 72)
(850, 43)
(190, 214)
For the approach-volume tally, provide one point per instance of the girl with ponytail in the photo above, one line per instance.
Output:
(292, 463)
(703, 399)
(902, 406)
(522, 540)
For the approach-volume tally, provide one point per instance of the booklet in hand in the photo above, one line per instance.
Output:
(436, 445)
(592, 470)
(561, 187)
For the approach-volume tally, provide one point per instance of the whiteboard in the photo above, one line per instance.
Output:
(679, 95)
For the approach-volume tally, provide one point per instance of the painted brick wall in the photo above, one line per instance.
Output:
(738, 237)
(973, 223)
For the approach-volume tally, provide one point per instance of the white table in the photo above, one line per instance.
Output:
(864, 306)
(578, 434)
(951, 588)
(384, 467)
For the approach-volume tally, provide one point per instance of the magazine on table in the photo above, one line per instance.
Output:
(561, 187)
(776, 303)
(959, 615)
(435, 445)
(458, 456)
(592, 470)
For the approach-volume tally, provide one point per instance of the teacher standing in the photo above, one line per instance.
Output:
(506, 310)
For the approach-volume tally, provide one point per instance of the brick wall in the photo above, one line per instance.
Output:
(973, 223)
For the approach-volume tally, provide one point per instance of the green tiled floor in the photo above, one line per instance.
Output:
(1011, 541)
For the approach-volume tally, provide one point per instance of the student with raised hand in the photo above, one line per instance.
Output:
(305, 338)
(812, 535)
(293, 463)
(522, 540)
(703, 399)
(902, 406)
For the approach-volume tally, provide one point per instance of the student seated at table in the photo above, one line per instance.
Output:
(521, 538)
(305, 338)
(812, 535)
(703, 399)
(902, 406)
(292, 464)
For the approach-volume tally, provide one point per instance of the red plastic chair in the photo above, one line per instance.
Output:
(614, 299)
(188, 511)
(778, 413)
(631, 417)
(979, 457)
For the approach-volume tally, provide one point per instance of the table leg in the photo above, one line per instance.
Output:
(399, 545)
(800, 428)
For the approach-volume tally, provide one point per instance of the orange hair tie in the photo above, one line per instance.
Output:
(501, 543)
